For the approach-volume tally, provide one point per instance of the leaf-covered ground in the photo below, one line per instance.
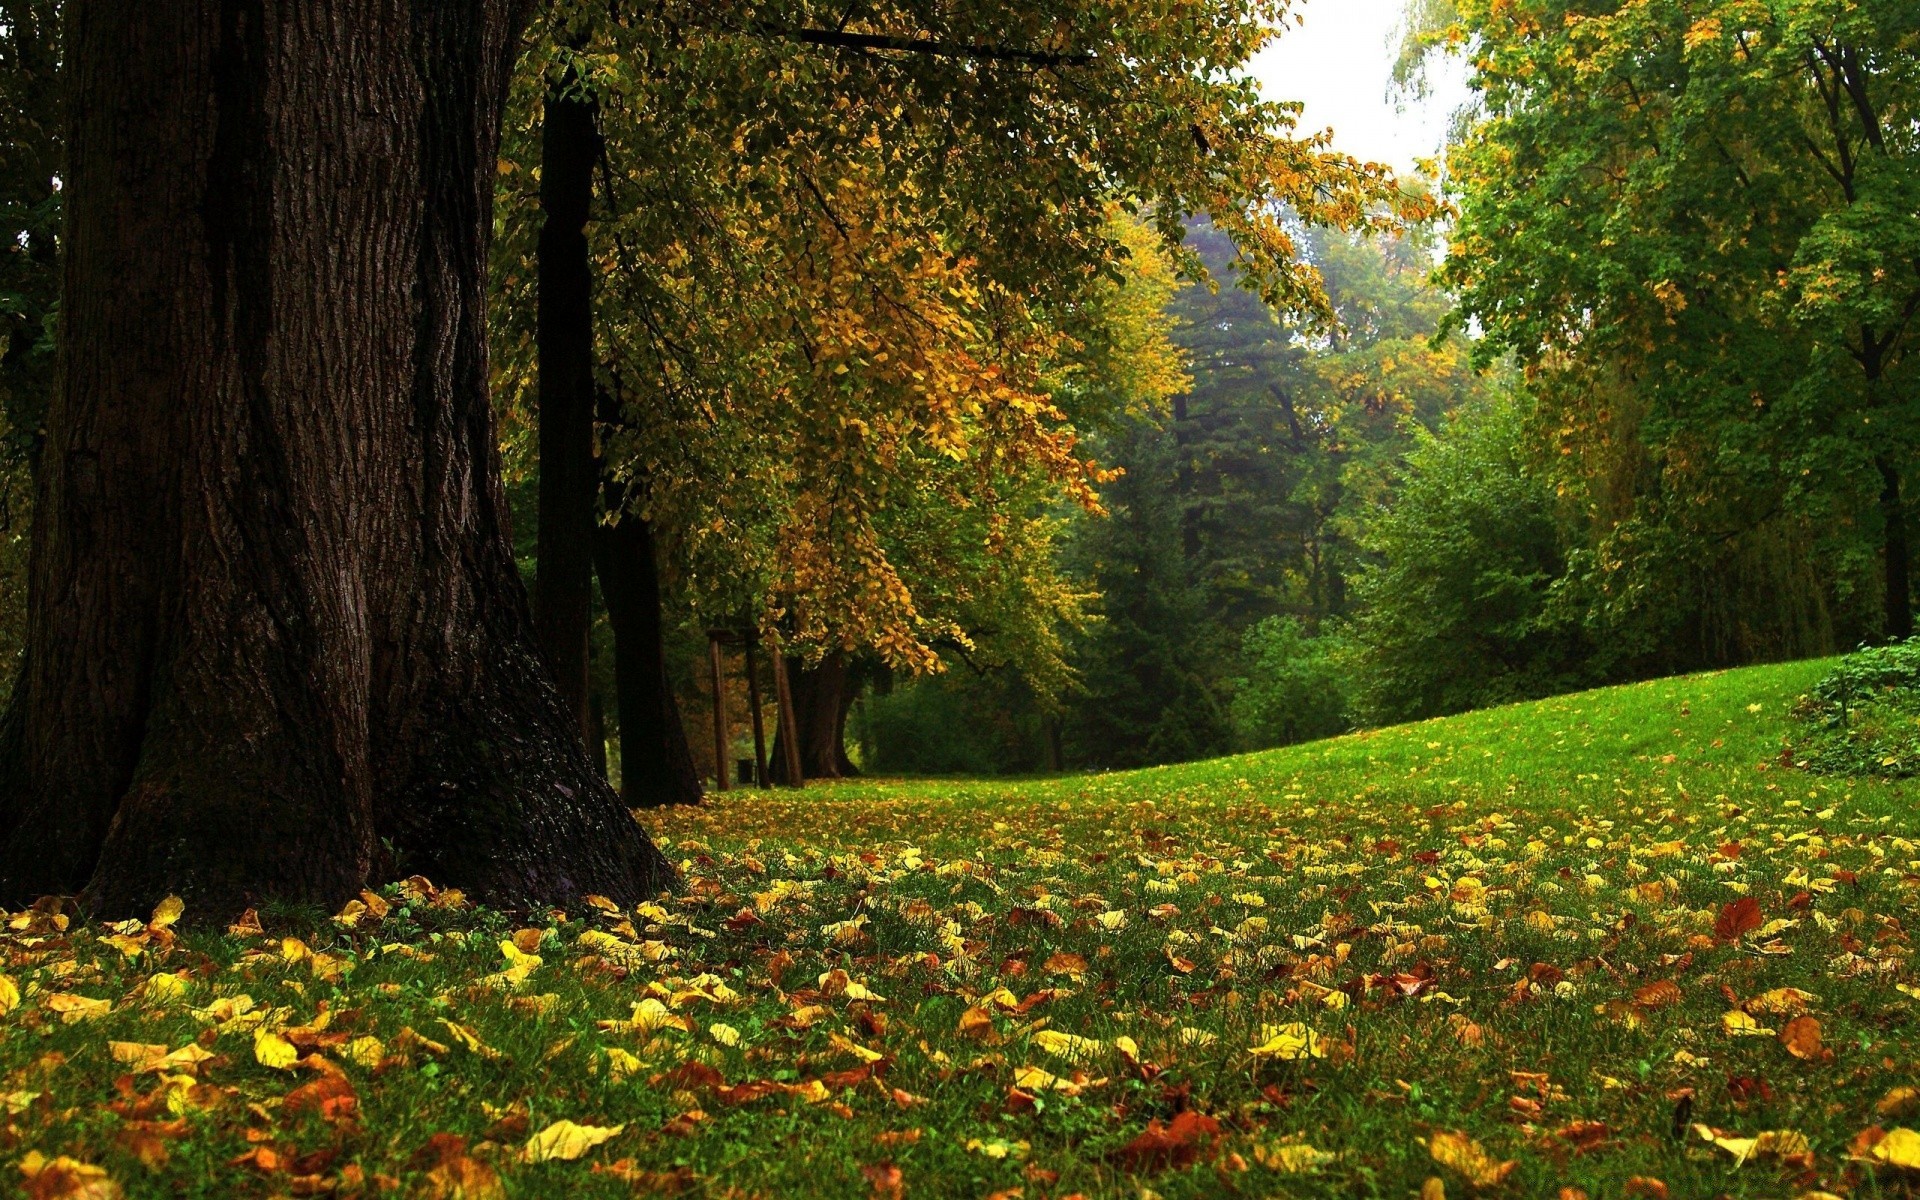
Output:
(1605, 943)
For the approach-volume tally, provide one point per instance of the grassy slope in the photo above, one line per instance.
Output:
(1528, 871)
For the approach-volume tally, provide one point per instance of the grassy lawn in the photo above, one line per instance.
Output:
(1532, 949)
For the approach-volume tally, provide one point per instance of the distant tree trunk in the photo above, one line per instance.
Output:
(822, 697)
(274, 620)
(1893, 512)
(656, 762)
(563, 578)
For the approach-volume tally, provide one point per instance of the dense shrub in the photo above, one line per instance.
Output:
(953, 724)
(1863, 718)
(1460, 610)
(1296, 687)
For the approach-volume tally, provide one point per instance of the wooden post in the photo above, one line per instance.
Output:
(753, 700)
(719, 714)
(789, 728)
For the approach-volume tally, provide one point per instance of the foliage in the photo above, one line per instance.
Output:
(962, 722)
(1461, 610)
(1863, 717)
(1334, 970)
(1297, 688)
(1710, 207)
(1250, 502)
(866, 281)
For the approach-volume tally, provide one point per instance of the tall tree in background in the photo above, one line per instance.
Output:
(1711, 210)
(274, 624)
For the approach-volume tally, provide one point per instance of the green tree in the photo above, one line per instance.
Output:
(1715, 205)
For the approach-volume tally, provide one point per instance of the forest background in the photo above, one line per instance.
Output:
(1633, 398)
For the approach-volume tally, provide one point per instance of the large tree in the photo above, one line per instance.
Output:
(1711, 207)
(276, 641)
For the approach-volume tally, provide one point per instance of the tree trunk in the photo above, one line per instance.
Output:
(1893, 512)
(273, 616)
(822, 697)
(656, 762)
(563, 578)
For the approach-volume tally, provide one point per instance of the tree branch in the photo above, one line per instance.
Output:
(840, 40)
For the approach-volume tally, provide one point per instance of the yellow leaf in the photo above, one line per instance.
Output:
(1739, 1024)
(622, 1064)
(9, 995)
(72, 1008)
(66, 1178)
(164, 989)
(1900, 1148)
(167, 912)
(726, 1035)
(1289, 1042)
(1470, 1158)
(847, 1045)
(139, 1055)
(366, 1051)
(1782, 1002)
(272, 1050)
(471, 1040)
(1068, 1046)
(1291, 1158)
(566, 1141)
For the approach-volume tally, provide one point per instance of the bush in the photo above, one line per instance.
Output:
(1863, 718)
(1462, 610)
(1296, 688)
(952, 724)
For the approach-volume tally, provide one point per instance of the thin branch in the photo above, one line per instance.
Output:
(840, 40)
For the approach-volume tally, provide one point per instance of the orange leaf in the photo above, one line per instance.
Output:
(1801, 1037)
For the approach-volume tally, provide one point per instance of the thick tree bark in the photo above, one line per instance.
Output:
(1897, 555)
(563, 579)
(273, 618)
(656, 762)
(822, 697)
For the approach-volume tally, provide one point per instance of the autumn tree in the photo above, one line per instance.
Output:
(276, 642)
(834, 252)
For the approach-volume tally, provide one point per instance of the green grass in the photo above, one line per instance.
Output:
(1525, 872)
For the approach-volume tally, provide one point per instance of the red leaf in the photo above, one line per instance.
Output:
(1740, 917)
(1178, 1143)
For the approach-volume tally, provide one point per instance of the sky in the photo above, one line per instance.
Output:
(1340, 63)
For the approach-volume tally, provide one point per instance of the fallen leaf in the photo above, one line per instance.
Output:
(66, 1178)
(1738, 1024)
(1899, 1148)
(72, 1008)
(167, 912)
(1292, 1158)
(272, 1050)
(1461, 1153)
(566, 1141)
(1176, 1143)
(1289, 1042)
(1061, 962)
(454, 1174)
(1737, 918)
(1782, 1002)
(1069, 1046)
(1801, 1037)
